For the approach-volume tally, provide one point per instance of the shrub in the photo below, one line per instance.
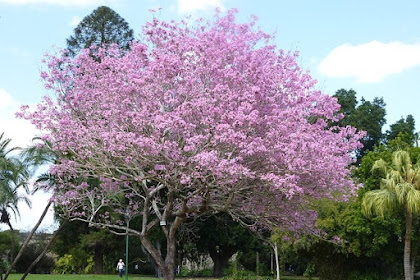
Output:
(64, 265)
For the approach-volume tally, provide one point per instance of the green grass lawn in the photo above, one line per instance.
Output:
(111, 277)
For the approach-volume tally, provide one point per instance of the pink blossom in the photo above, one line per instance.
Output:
(210, 114)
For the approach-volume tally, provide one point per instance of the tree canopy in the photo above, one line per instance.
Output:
(399, 190)
(404, 128)
(368, 116)
(195, 119)
(102, 26)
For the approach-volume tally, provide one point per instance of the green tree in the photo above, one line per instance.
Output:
(35, 156)
(405, 128)
(399, 191)
(99, 241)
(14, 175)
(102, 26)
(368, 116)
(221, 243)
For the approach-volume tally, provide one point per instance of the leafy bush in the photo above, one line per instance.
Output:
(236, 272)
(90, 268)
(310, 271)
(64, 265)
(44, 266)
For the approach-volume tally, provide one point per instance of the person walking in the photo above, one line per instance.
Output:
(120, 268)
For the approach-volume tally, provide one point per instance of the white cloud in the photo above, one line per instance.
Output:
(18, 130)
(75, 21)
(370, 62)
(21, 133)
(190, 6)
(56, 2)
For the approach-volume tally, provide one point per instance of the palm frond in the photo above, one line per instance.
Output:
(413, 201)
(379, 203)
(401, 162)
(380, 166)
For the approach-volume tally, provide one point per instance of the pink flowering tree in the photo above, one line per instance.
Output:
(195, 119)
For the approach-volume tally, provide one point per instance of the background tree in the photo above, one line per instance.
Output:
(368, 116)
(404, 128)
(34, 156)
(99, 242)
(399, 190)
(224, 239)
(102, 27)
(195, 120)
(46, 263)
(14, 175)
(369, 248)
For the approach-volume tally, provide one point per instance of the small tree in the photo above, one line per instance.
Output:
(203, 118)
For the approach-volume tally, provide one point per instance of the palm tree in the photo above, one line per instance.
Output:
(399, 190)
(35, 156)
(14, 175)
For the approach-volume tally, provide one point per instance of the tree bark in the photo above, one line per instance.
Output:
(43, 251)
(257, 263)
(276, 255)
(157, 257)
(98, 259)
(220, 258)
(12, 249)
(26, 242)
(408, 271)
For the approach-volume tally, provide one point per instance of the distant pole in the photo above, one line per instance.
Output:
(126, 247)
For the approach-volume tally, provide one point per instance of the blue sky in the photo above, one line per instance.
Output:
(370, 46)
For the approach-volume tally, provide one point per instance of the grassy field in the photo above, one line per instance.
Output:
(111, 277)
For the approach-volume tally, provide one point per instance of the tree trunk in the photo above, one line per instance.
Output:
(159, 249)
(220, 258)
(26, 242)
(98, 259)
(167, 268)
(408, 271)
(257, 263)
(276, 256)
(43, 251)
(12, 249)
(170, 257)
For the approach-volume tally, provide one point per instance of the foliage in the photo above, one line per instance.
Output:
(76, 277)
(310, 271)
(102, 27)
(399, 192)
(221, 243)
(75, 262)
(369, 116)
(404, 129)
(5, 243)
(64, 265)
(14, 176)
(204, 118)
(90, 267)
(32, 251)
